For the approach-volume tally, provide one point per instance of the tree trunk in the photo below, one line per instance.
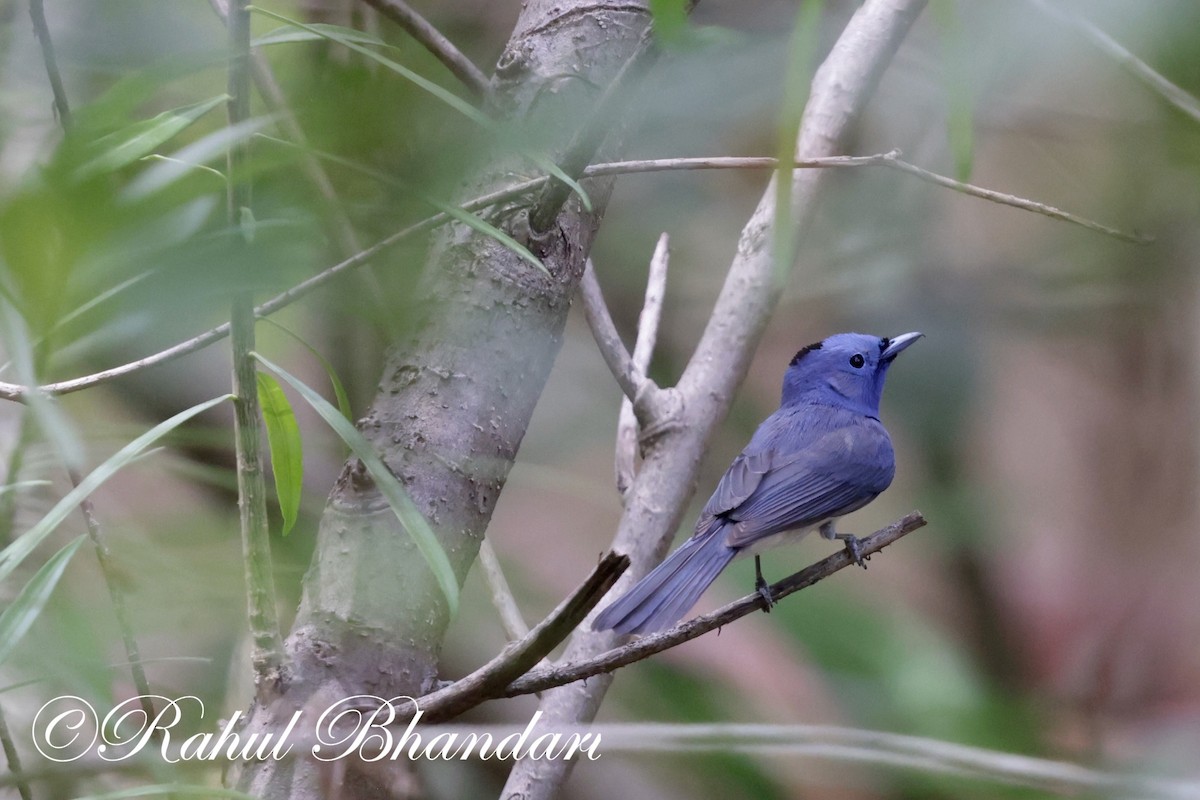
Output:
(451, 410)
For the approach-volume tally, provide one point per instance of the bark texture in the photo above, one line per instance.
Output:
(452, 407)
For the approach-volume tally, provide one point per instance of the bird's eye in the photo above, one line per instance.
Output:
(857, 360)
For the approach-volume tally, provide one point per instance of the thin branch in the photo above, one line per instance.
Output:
(1139, 69)
(894, 162)
(432, 40)
(267, 656)
(543, 678)
(486, 683)
(619, 362)
(519, 657)
(17, 392)
(502, 596)
(117, 597)
(643, 351)
(38, 13)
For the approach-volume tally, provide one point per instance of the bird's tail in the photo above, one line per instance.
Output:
(661, 598)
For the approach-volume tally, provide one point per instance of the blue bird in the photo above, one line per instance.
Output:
(823, 454)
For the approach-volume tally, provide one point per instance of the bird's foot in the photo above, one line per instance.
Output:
(854, 548)
(760, 586)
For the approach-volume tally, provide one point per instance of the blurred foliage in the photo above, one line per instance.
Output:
(1046, 425)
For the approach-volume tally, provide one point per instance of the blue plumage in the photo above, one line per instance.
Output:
(822, 455)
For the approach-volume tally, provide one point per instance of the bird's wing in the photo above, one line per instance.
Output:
(831, 474)
(739, 481)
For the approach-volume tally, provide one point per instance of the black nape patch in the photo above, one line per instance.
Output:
(883, 344)
(803, 352)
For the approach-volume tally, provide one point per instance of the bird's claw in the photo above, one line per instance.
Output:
(760, 586)
(854, 548)
(764, 591)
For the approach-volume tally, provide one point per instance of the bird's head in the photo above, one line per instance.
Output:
(846, 369)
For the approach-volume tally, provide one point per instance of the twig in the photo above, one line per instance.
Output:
(643, 351)
(432, 40)
(38, 13)
(17, 392)
(1010, 200)
(1139, 69)
(612, 349)
(117, 598)
(267, 656)
(561, 674)
(13, 758)
(519, 657)
(502, 596)
(486, 684)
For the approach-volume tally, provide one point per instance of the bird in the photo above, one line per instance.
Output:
(822, 455)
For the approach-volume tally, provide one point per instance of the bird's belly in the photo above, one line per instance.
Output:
(778, 539)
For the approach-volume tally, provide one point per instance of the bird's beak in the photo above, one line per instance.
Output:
(897, 344)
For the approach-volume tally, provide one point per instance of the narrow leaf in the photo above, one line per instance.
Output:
(416, 525)
(191, 156)
(466, 217)
(339, 391)
(320, 32)
(19, 485)
(26, 543)
(350, 38)
(18, 618)
(123, 147)
(287, 456)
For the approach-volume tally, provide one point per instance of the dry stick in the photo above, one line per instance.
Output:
(519, 657)
(543, 678)
(1139, 69)
(117, 597)
(38, 13)
(16, 392)
(432, 40)
(267, 655)
(13, 758)
(485, 683)
(643, 351)
(502, 596)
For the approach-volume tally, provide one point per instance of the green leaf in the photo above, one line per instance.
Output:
(287, 455)
(350, 38)
(339, 391)
(416, 525)
(319, 32)
(26, 543)
(19, 485)
(960, 123)
(462, 215)
(140, 139)
(190, 157)
(20, 614)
